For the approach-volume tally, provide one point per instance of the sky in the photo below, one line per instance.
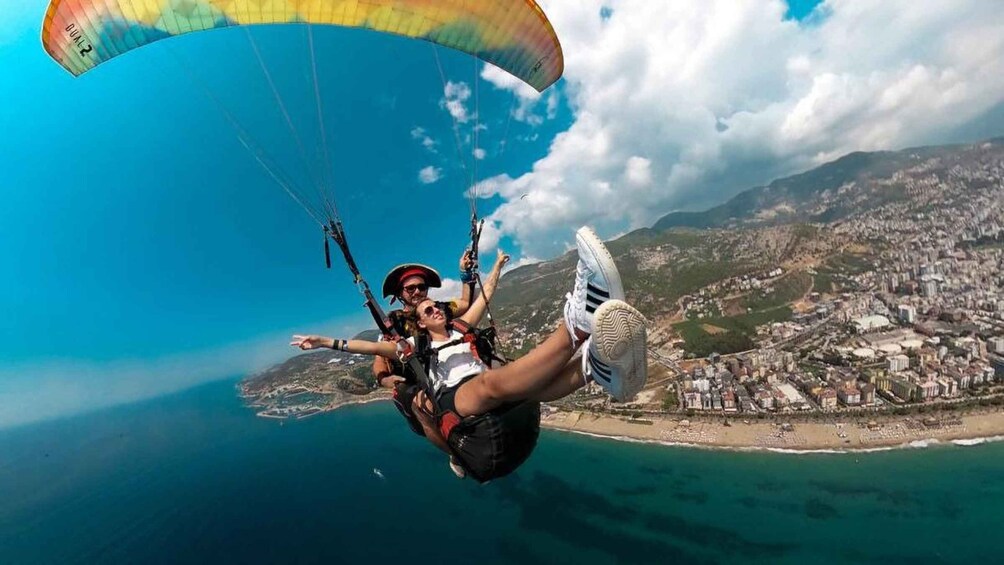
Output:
(146, 250)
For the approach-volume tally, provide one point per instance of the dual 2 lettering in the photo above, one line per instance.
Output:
(79, 40)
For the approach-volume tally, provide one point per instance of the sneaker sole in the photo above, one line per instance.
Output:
(588, 240)
(620, 340)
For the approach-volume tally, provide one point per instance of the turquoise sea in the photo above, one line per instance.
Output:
(196, 478)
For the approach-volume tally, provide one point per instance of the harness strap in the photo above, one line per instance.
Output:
(447, 421)
(337, 233)
(473, 336)
(469, 337)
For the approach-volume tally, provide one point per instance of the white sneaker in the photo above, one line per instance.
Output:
(615, 355)
(596, 281)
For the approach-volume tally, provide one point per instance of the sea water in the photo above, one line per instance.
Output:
(196, 478)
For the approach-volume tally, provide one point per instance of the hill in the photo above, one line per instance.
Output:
(832, 191)
(718, 263)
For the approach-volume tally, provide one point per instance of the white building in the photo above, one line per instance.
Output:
(870, 323)
(899, 363)
(996, 344)
(907, 314)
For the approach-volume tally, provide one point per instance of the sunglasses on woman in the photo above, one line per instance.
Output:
(429, 310)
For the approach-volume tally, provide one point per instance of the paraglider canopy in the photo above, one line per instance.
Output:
(513, 35)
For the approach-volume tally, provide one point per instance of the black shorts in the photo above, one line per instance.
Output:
(495, 444)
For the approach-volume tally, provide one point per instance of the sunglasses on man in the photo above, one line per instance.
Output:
(412, 288)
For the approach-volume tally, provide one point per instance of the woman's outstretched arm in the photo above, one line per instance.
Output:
(382, 348)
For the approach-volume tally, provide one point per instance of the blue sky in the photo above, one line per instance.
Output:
(800, 9)
(145, 250)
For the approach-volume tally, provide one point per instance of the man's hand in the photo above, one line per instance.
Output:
(391, 381)
(422, 403)
(466, 262)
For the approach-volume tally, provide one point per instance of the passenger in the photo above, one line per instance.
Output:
(489, 418)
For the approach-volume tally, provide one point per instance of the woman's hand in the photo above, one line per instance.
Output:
(306, 342)
(501, 259)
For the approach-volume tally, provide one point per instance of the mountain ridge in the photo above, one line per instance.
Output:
(852, 167)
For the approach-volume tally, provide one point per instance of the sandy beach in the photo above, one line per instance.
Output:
(849, 434)
(853, 433)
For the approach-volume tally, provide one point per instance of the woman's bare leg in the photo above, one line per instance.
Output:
(518, 380)
(566, 382)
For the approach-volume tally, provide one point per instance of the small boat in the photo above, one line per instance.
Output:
(379, 473)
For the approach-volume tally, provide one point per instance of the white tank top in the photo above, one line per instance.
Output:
(455, 362)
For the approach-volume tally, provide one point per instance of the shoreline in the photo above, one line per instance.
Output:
(915, 444)
(334, 405)
(850, 436)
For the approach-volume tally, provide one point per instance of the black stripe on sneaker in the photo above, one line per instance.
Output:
(600, 364)
(593, 302)
(599, 369)
(601, 372)
(597, 290)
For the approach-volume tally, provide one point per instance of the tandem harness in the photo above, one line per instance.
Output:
(488, 445)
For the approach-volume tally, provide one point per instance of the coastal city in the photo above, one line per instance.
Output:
(893, 310)
(311, 384)
(920, 322)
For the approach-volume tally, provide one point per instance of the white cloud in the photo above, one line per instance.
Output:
(504, 80)
(455, 96)
(425, 139)
(451, 289)
(430, 174)
(679, 105)
(489, 240)
(525, 260)
(638, 171)
(553, 99)
(527, 98)
(479, 153)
